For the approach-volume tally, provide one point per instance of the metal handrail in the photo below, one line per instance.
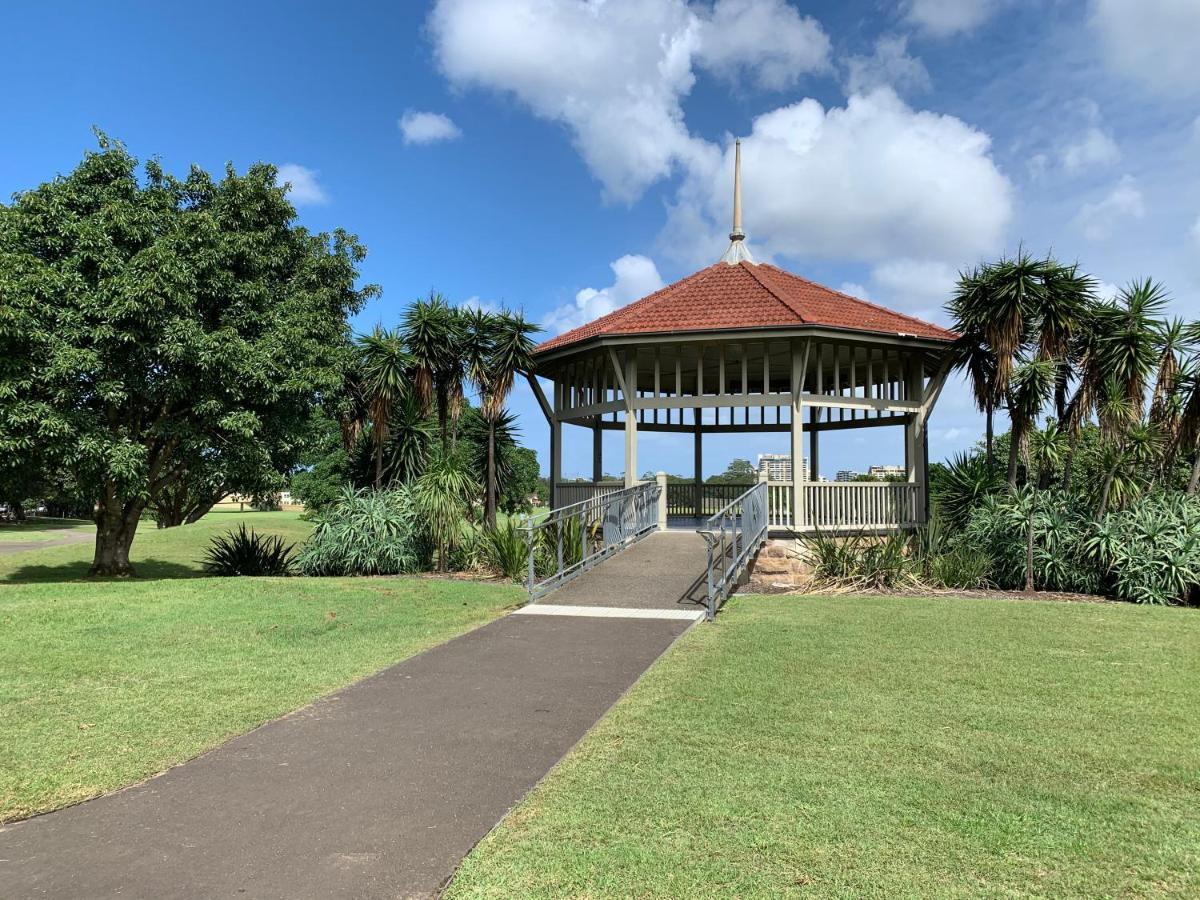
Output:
(578, 536)
(733, 534)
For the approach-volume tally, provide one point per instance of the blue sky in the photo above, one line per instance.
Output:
(566, 157)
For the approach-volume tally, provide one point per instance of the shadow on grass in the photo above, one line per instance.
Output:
(40, 524)
(146, 569)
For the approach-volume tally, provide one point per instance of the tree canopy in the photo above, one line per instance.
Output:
(157, 331)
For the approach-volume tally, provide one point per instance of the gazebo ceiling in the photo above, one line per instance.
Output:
(746, 295)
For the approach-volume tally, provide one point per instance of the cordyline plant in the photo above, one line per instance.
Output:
(156, 329)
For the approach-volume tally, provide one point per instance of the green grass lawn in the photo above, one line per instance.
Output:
(39, 529)
(105, 682)
(880, 747)
(156, 553)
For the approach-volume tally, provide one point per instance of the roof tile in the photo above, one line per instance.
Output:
(746, 295)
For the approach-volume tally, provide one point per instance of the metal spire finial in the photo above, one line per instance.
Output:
(737, 252)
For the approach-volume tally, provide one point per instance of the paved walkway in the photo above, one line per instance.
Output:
(382, 788)
(58, 537)
(667, 570)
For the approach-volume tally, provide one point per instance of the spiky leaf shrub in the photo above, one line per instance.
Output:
(368, 532)
(505, 549)
(959, 486)
(442, 497)
(244, 552)
(1150, 552)
(1061, 527)
(860, 561)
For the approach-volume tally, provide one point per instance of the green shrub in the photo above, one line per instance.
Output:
(505, 549)
(1150, 552)
(248, 553)
(860, 561)
(367, 532)
(1061, 528)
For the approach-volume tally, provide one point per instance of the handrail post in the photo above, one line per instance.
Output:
(661, 477)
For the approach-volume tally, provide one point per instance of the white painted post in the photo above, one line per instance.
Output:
(798, 365)
(631, 425)
(662, 501)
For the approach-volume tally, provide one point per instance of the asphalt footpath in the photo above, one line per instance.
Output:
(380, 789)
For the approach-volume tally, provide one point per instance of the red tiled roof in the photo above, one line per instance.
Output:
(746, 295)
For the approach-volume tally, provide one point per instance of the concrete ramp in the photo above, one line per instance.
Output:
(667, 570)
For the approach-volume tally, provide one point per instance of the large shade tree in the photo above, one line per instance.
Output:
(145, 321)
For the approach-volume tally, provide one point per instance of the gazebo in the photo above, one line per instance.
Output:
(745, 347)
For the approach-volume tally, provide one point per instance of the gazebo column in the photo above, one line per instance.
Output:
(555, 460)
(914, 439)
(798, 364)
(698, 462)
(631, 425)
(597, 451)
(814, 454)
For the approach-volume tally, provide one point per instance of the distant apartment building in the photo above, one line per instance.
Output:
(846, 475)
(882, 473)
(778, 466)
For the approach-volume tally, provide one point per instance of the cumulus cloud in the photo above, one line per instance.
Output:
(615, 73)
(766, 40)
(1125, 201)
(1095, 148)
(919, 287)
(888, 66)
(854, 289)
(427, 127)
(303, 187)
(872, 181)
(943, 18)
(1155, 42)
(1195, 234)
(633, 278)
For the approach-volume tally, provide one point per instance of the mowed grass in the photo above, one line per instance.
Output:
(106, 682)
(156, 553)
(890, 747)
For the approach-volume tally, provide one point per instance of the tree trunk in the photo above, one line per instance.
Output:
(18, 511)
(1029, 547)
(490, 492)
(990, 440)
(116, 526)
(1194, 482)
(1014, 443)
(1102, 508)
(378, 464)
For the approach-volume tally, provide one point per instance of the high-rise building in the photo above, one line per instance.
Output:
(846, 475)
(884, 472)
(778, 466)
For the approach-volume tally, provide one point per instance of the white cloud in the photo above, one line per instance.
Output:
(1106, 290)
(1095, 148)
(874, 181)
(854, 289)
(1195, 234)
(919, 287)
(427, 127)
(765, 39)
(943, 18)
(615, 72)
(303, 187)
(1124, 201)
(1156, 42)
(634, 278)
(889, 66)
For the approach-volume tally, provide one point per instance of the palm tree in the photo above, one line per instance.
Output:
(972, 354)
(1031, 386)
(433, 334)
(1062, 311)
(386, 367)
(509, 350)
